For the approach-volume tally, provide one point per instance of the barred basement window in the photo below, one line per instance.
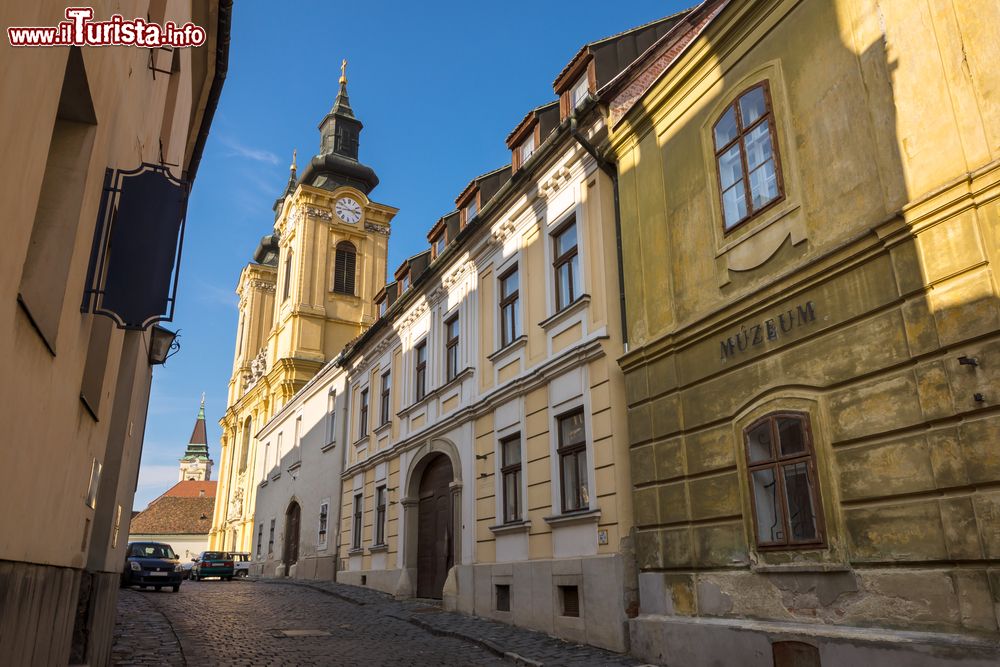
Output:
(344, 266)
(569, 597)
(503, 597)
(746, 156)
(781, 465)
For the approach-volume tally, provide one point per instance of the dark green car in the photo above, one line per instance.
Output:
(213, 564)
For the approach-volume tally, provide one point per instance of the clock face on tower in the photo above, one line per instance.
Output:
(348, 210)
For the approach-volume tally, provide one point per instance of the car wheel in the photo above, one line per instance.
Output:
(156, 588)
(176, 588)
(243, 574)
(194, 576)
(229, 578)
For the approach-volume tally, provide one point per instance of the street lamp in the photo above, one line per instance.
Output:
(163, 343)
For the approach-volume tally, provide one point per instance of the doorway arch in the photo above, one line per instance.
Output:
(292, 520)
(435, 527)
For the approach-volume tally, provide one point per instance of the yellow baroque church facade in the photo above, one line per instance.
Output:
(309, 290)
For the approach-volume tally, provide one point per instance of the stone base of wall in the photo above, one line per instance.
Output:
(386, 581)
(320, 567)
(672, 640)
(536, 601)
(96, 608)
(37, 613)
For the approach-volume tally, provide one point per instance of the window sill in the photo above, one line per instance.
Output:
(378, 548)
(294, 466)
(512, 527)
(792, 568)
(262, 484)
(433, 393)
(571, 518)
(515, 344)
(360, 551)
(382, 428)
(363, 440)
(582, 301)
(276, 475)
(328, 446)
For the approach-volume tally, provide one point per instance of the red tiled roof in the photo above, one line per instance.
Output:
(175, 515)
(191, 489)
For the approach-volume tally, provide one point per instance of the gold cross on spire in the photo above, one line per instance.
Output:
(343, 71)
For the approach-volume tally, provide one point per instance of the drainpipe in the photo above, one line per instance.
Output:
(611, 169)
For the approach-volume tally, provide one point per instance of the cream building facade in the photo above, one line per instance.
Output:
(308, 292)
(480, 422)
(74, 418)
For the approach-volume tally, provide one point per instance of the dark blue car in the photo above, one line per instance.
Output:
(151, 564)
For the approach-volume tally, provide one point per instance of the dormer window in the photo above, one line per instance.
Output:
(580, 91)
(440, 243)
(404, 283)
(526, 148)
(471, 210)
(382, 307)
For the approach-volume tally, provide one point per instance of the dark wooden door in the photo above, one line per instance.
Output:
(292, 535)
(434, 528)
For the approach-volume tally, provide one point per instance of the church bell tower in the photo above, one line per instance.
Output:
(195, 464)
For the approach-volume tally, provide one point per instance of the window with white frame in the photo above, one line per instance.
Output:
(331, 416)
(471, 210)
(420, 352)
(566, 265)
(356, 525)
(527, 147)
(580, 91)
(573, 462)
(451, 348)
(298, 431)
(324, 514)
(510, 318)
(363, 414)
(385, 406)
(380, 515)
(510, 472)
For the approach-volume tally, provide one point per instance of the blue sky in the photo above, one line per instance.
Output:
(438, 85)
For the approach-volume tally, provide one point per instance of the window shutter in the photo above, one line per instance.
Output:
(344, 268)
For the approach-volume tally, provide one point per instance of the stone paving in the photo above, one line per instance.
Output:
(320, 623)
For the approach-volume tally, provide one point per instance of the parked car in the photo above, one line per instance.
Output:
(151, 564)
(241, 562)
(212, 564)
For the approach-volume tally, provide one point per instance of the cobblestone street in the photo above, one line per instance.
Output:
(320, 623)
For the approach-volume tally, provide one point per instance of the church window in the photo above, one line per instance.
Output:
(288, 276)
(781, 466)
(344, 266)
(746, 156)
(245, 447)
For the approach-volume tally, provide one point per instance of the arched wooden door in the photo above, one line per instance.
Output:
(291, 552)
(434, 528)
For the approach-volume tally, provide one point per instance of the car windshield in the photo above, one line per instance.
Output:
(152, 551)
(213, 555)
